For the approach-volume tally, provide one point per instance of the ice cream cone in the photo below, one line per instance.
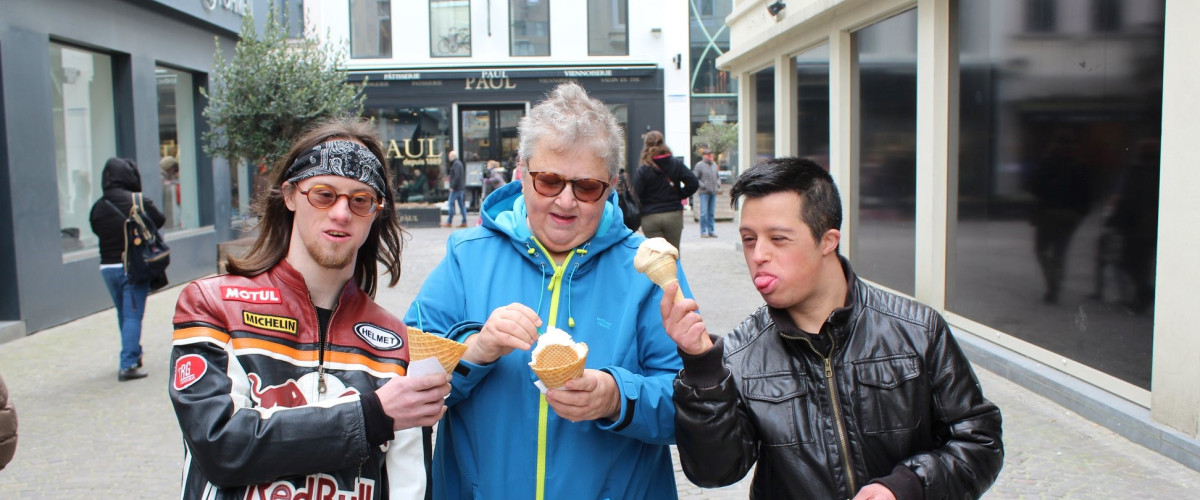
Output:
(423, 345)
(556, 364)
(662, 273)
(656, 259)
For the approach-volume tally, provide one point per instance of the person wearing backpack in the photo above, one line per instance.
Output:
(121, 180)
(662, 182)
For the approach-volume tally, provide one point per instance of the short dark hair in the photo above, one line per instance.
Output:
(821, 209)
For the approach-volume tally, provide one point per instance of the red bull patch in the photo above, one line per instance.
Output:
(188, 369)
(265, 295)
(316, 486)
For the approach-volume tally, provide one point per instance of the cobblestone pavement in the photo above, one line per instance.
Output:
(84, 435)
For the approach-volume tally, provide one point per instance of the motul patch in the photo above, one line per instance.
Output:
(378, 336)
(188, 369)
(265, 295)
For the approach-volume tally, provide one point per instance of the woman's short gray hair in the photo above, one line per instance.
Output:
(568, 120)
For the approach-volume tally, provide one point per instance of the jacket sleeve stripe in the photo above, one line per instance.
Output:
(200, 331)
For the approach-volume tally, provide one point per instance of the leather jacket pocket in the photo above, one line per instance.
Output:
(779, 406)
(889, 394)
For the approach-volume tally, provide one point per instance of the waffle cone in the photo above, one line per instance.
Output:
(557, 363)
(423, 345)
(662, 273)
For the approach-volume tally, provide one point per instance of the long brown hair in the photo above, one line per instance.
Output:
(275, 224)
(653, 145)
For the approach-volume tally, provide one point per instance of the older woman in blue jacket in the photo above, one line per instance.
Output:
(553, 251)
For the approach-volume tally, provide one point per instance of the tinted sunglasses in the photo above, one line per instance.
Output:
(550, 184)
(362, 203)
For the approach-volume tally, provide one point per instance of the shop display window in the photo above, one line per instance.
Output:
(81, 84)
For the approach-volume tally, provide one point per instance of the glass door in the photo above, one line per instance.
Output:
(487, 133)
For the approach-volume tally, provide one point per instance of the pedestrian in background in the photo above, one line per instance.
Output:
(553, 252)
(289, 381)
(662, 183)
(8, 427)
(835, 388)
(121, 180)
(710, 187)
(458, 189)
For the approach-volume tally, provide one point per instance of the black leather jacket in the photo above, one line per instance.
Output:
(896, 390)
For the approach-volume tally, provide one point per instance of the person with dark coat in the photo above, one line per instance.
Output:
(8, 427)
(834, 388)
(662, 182)
(458, 189)
(120, 180)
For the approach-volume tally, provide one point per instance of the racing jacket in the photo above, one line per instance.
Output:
(893, 401)
(271, 408)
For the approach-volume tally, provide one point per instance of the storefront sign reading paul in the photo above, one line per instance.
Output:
(418, 152)
(490, 80)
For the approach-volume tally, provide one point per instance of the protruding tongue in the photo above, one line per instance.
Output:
(763, 282)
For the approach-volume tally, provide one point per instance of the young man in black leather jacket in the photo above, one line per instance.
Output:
(835, 388)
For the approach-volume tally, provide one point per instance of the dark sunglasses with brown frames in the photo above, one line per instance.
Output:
(550, 184)
(362, 203)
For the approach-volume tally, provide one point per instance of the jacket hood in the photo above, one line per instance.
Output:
(504, 211)
(121, 174)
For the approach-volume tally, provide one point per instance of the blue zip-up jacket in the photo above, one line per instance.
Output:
(499, 438)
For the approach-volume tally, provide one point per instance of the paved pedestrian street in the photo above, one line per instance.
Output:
(83, 435)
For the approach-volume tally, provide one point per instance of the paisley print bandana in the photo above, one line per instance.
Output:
(342, 158)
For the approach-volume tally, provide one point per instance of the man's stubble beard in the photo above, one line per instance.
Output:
(328, 259)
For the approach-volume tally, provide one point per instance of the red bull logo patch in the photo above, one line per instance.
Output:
(316, 487)
(264, 295)
(188, 369)
(291, 393)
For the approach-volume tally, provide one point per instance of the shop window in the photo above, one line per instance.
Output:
(177, 148)
(1056, 223)
(812, 101)
(884, 246)
(764, 114)
(608, 27)
(709, 39)
(715, 110)
(415, 141)
(529, 31)
(81, 84)
(450, 28)
(1106, 15)
(370, 29)
(1041, 16)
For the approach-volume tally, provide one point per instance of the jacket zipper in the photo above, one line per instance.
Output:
(322, 342)
(838, 421)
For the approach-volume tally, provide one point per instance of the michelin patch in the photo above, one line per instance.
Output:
(378, 336)
(281, 324)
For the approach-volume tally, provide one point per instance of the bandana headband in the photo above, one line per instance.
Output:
(342, 158)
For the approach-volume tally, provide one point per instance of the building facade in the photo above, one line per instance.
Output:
(458, 75)
(82, 81)
(1021, 166)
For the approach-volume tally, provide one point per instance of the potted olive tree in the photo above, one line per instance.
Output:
(267, 93)
(720, 138)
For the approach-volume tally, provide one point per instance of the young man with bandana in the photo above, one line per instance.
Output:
(289, 381)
